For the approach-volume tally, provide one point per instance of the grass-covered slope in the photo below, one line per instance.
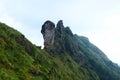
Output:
(97, 60)
(79, 60)
(19, 58)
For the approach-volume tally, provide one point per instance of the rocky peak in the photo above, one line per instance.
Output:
(59, 29)
(48, 31)
(60, 25)
(57, 39)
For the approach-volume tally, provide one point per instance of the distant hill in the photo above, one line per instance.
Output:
(71, 57)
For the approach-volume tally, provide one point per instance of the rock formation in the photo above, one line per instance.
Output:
(48, 31)
(60, 26)
(56, 39)
(59, 29)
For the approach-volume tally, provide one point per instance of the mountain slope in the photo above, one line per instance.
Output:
(72, 58)
(98, 61)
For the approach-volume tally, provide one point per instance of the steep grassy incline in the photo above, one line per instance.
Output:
(19, 58)
(74, 58)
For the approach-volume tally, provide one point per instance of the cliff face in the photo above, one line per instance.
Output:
(48, 31)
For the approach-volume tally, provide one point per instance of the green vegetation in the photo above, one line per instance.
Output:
(74, 58)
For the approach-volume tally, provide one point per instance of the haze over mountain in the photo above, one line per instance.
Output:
(66, 56)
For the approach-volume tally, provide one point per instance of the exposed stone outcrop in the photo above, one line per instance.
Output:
(59, 29)
(48, 31)
(60, 26)
(57, 39)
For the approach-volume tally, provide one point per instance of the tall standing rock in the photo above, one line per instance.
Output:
(48, 31)
(59, 29)
(60, 26)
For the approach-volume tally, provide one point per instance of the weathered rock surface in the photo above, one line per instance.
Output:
(56, 39)
(59, 29)
(48, 31)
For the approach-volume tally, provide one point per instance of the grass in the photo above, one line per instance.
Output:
(21, 60)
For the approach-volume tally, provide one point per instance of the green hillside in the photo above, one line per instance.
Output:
(73, 58)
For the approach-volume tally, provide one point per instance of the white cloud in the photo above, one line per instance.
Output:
(11, 22)
(112, 21)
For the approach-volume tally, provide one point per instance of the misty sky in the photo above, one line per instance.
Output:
(99, 20)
